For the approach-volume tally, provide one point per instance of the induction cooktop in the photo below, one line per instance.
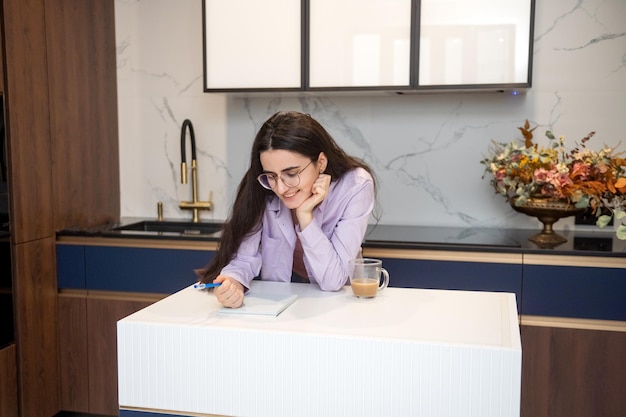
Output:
(439, 235)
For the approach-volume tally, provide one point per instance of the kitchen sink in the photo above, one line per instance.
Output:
(172, 226)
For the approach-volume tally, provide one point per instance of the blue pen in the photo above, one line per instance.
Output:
(203, 286)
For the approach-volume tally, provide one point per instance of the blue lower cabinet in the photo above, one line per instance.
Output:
(577, 292)
(71, 266)
(133, 413)
(453, 275)
(148, 270)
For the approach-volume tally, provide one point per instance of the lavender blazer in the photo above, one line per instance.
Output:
(330, 241)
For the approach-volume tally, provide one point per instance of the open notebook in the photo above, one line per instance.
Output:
(262, 304)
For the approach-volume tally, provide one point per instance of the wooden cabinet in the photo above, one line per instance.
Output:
(83, 128)
(1, 62)
(572, 372)
(29, 145)
(8, 382)
(36, 326)
(99, 285)
(73, 354)
(88, 351)
(59, 85)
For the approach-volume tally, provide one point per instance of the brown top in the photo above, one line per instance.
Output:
(298, 260)
(298, 254)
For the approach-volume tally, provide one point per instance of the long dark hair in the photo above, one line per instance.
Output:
(291, 131)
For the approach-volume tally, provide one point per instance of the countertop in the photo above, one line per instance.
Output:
(585, 241)
(581, 242)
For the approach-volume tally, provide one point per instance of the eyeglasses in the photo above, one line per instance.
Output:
(290, 179)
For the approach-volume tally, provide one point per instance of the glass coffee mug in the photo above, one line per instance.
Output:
(365, 277)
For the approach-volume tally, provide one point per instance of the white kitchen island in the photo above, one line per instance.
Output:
(408, 352)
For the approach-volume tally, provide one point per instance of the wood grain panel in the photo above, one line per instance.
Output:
(30, 205)
(73, 358)
(102, 317)
(8, 382)
(573, 373)
(61, 124)
(28, 120)
(1, 63)
(83, 112)
(36, 313)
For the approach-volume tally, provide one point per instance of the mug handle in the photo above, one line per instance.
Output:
(385, 279)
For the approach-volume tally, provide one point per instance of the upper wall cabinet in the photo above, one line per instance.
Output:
(477, 42)
(357, 43)
(252, 45)
(388, 45)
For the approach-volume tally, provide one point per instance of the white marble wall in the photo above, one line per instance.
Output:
(425, 149)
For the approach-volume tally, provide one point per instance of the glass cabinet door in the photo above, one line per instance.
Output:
(474, 42)
(359, 43)
(252, 44)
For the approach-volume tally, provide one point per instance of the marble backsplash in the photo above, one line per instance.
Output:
(425, 148)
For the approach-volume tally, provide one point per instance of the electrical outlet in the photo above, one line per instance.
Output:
(588, 218)
(600, 244)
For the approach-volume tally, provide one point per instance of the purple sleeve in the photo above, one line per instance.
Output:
(330, 246)
(247, 262)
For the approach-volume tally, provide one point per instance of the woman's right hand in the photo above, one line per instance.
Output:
(230, 293)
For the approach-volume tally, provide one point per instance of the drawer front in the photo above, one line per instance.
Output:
(71, 266)
(453, 275)
(574, 291)
(142, 269)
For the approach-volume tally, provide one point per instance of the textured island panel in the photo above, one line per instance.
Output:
(406, 352)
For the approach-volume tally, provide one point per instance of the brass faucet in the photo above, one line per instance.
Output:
(195, 205)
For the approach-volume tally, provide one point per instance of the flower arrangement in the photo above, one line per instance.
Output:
(585, 178)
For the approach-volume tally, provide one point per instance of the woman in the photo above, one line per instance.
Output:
(300, 214)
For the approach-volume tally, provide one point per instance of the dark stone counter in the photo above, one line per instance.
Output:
(579, 242)
(591, 241)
